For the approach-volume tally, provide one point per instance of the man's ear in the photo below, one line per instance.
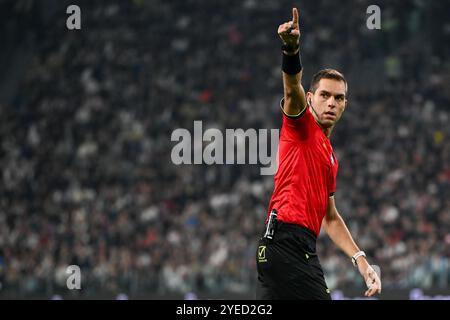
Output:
(309, 96)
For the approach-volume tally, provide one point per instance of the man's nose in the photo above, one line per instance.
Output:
(332, 102)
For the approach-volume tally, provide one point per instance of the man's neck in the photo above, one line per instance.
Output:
(326, 131)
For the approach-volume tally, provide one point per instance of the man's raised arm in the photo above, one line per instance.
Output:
(294, 94)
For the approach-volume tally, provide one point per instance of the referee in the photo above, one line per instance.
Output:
(303, 198)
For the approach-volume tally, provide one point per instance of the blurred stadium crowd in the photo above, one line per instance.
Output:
(86, 175)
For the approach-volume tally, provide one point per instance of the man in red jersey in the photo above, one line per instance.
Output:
(303, 198)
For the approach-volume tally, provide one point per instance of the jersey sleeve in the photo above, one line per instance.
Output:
(297, 127)
(332, 176)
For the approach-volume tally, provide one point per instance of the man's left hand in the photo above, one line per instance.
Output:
(371, 278)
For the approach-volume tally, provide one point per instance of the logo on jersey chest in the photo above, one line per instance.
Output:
(327, 150)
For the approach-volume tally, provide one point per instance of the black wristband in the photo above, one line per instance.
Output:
(290, 48)
(291, 64)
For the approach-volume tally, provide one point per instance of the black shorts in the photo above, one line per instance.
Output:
(288, 266)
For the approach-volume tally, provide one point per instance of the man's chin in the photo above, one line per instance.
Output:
(327, 123)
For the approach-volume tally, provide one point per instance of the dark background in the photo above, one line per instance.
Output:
(86, 118)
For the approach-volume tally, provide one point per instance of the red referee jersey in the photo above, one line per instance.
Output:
(306, 172)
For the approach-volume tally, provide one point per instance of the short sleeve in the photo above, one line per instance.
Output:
(297, 127)
(332, 177)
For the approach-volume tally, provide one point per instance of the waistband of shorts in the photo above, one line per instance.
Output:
(296, 228)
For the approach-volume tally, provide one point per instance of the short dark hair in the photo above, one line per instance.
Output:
(326, 74)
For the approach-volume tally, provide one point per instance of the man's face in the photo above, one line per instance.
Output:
(328, 101)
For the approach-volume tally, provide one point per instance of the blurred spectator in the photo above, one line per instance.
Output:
(85, 150)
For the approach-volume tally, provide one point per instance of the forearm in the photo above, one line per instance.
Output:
(339, 233)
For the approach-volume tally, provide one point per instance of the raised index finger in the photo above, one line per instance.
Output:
(294, 16)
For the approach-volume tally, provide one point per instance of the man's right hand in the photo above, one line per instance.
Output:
(289, 32)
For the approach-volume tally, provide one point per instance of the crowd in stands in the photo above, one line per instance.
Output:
(85, 150)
